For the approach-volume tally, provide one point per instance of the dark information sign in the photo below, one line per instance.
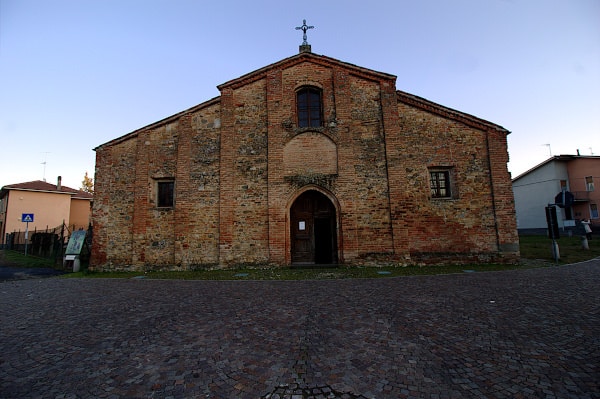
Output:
(76, 242)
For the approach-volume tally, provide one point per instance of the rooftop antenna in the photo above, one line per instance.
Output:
(44, 163)
(549, 149)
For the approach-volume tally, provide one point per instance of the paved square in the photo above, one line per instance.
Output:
(516, 334)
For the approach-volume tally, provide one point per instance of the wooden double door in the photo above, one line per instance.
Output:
(313, 229)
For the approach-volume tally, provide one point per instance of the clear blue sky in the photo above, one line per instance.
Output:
(76, 74)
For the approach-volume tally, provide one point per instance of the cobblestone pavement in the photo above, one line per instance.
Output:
(20, 273)
(516, 334)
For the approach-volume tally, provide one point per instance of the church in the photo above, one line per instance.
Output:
(307, 161)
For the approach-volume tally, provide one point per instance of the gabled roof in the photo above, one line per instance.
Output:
(160, 122)
(256, 75)
(559, 158)
(446, 112)
(42, 186)
(304, 57)
(366, 73)
(83, 195)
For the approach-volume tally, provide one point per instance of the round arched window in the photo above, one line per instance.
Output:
(309, 107)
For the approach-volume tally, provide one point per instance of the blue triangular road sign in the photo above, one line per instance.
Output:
(27, 217)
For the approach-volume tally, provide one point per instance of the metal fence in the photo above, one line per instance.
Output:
(49, 243)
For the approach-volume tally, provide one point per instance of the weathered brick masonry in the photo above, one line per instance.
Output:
(251, 186)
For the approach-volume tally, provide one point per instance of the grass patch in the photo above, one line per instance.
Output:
(535, 252)
(540, 247)
(17, 259)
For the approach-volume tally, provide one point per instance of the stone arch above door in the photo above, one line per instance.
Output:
(310, 153)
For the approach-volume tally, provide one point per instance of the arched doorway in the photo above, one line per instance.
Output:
(313, 230)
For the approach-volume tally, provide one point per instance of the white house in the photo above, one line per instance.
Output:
(539, 186)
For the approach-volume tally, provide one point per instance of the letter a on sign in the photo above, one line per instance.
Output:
(27, 217)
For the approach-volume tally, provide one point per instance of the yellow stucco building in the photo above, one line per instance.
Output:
(50, 204)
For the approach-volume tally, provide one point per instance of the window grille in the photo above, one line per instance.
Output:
(440, 184)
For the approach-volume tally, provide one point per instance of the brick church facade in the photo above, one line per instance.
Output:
(309, 160)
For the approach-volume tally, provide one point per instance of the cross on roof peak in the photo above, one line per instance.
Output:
(304, 28)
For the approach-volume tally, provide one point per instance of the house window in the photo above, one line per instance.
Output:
(166, 193)
(589, 183)
(594, 211)
(440, 184)
(308, 101)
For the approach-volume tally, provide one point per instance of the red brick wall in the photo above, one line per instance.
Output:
(308, 153)
(478, 222)
(113, 209)
(243, 176)
(240, 161)
(503, 197)
(185, 236)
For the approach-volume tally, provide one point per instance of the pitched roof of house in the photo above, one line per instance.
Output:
(560, 158)
(42, 186)
(260, 73)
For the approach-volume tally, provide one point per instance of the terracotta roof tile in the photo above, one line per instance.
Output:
(39, 185)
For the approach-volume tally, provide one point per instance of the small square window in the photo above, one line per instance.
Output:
(440, 184)
(166, 194)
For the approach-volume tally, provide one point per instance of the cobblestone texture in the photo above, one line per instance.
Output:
(517, 334)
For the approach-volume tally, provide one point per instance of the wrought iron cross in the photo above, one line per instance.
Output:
(304, 28)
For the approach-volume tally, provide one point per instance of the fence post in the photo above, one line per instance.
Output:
(62, 243)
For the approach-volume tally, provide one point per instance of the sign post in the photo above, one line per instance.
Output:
(552, 220)
(26, 218)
